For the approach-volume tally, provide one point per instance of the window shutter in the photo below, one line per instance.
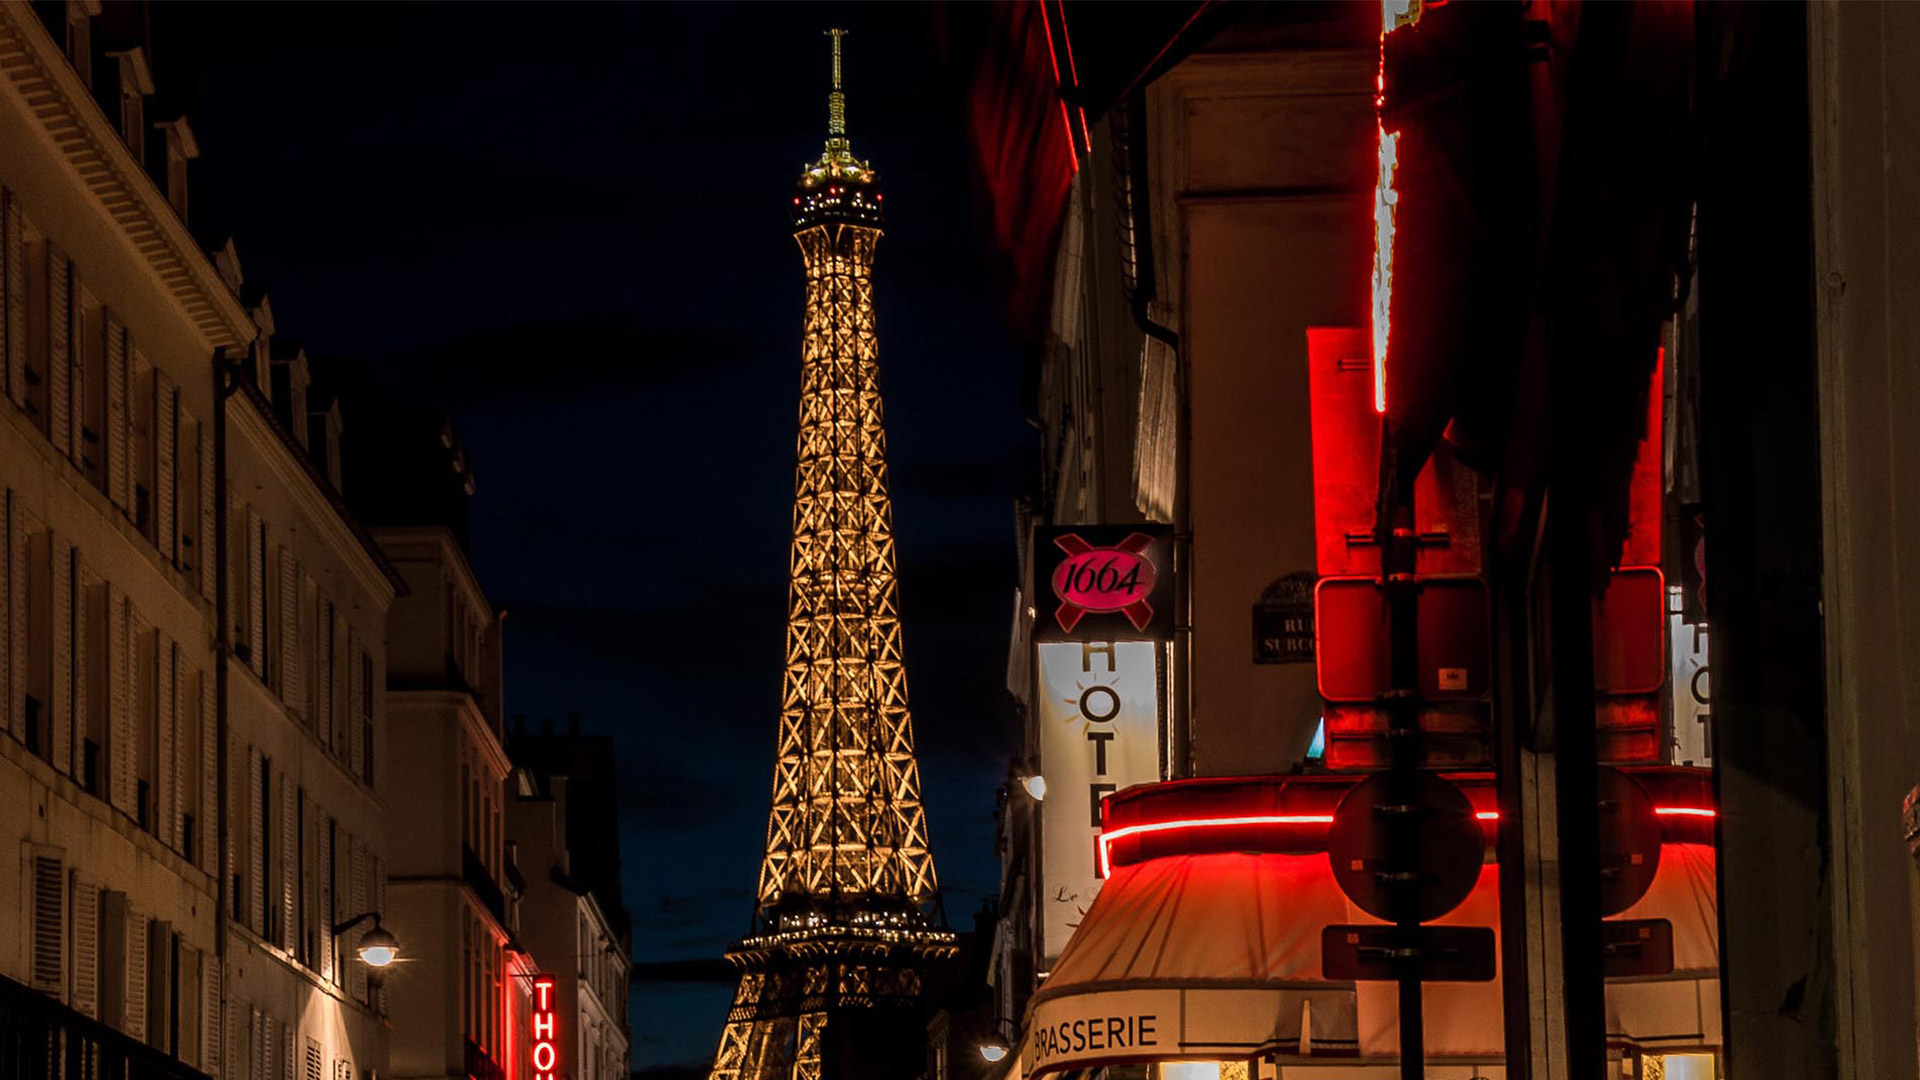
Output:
(292, 677)
(329, 909)
(85, 689)
(119, 420)
(134, 1014)
(59, 326)
(163, 735)
(289, 858)
(121, 749)
(356, 731)
(323, 675)
(61, 717)
(85, 935)
(180, 741)
(256, 842)
(14, 318)
(378, 871)
(49, 920)
(204, 557)
(355, 688)
(211, 1013)
(12, 612)
(264, 1037)
(286, 1050)
(76, 368)
(166, 427)
(256, 595)
(357, 876)
(313, 1061)
(209, 774)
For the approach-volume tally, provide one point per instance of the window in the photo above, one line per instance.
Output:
(39, 346)
(90, 450)
(146, 723)
(79, 42)
(38, 703)
(140, 448)
(366, 714)
(95, 656)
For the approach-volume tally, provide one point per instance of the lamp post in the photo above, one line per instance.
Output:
(378, 947)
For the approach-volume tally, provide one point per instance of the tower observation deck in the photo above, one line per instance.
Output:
(832, 981)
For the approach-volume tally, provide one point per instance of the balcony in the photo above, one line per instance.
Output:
(40, 1037)
(482, 884)
(480, 1066)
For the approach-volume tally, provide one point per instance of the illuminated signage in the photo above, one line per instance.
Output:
(1099, 733)
(1104, 583)
(546, 1053)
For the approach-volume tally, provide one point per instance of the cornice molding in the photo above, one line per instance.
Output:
(35, 72)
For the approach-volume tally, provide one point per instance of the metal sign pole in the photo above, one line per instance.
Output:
(1397, 543)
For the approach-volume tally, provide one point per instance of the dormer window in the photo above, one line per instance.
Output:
(181, 148)
(291, 377)
(136, 82)
(79, 43)
(323, 441)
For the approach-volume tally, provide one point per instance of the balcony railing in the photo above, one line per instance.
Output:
(482, 884)
(41, 1039)
(480, 1066)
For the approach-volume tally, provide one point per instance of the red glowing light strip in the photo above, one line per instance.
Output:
(1663, 811)
(1107, 838)
(1066, 119)
(1086, 136)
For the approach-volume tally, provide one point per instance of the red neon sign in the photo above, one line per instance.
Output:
(546, 1053)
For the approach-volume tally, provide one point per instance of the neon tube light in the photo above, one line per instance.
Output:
(1107, 838)
(1392, 14)
(546, 1054)
(1663, 811)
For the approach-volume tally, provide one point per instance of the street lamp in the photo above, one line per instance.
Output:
(1036, 786)
(378, 946)
(993, 1050)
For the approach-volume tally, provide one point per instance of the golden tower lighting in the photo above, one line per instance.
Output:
(844, 938)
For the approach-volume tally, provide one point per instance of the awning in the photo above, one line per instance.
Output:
(1190, 951)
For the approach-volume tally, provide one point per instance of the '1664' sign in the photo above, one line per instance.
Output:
(1103, 583)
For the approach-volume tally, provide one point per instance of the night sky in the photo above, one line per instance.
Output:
(566, 224)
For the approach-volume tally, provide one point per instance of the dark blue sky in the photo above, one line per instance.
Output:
(567, 224)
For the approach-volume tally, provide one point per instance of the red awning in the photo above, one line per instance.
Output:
(1216, 955)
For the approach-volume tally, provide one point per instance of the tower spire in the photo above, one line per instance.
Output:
(836, 101)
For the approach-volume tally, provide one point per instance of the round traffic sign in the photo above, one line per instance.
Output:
(1630, 838)
(1430, 872)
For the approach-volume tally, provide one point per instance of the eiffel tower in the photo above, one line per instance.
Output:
(832, 982)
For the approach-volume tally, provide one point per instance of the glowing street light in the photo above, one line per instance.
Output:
(1036, 786)
(378, 947)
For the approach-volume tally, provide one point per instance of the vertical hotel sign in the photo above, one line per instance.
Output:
(546, 1043)
(1106, 607)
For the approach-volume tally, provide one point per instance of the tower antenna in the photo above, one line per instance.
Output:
(836, 101)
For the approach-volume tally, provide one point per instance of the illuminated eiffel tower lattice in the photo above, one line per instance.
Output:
(832, 982)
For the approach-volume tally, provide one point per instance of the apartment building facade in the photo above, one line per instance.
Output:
(177, 891)
(450, 884)
(573, 927)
